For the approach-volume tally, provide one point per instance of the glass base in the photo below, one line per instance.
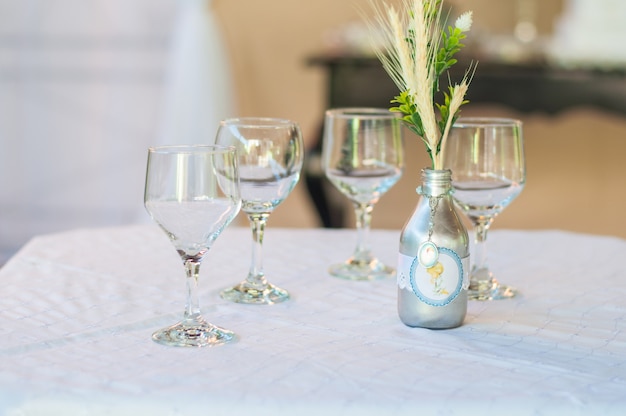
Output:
(246, 293)
(490, 291)
(198, 334)
(352, 270)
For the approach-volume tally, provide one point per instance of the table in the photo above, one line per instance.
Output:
(527, 87)
(77, 310)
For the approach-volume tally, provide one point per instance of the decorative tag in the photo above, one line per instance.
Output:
(428, 254)
(438, 283)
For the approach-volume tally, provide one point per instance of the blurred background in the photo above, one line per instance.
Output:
(87, 85)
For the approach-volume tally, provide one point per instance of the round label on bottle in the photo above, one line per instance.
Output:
(437, 284)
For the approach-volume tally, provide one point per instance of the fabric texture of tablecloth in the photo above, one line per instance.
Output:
(77, 310)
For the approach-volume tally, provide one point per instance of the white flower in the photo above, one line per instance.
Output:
(464, 22)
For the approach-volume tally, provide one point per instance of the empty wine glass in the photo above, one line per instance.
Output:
(363, 157)
(192, 193)
(271, 154)
(486, 156)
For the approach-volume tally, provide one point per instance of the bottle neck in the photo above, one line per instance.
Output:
(436, 182)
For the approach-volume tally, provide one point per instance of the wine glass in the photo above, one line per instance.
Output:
(486, 156)
(271, 154)
(192, 193)
(363, 157)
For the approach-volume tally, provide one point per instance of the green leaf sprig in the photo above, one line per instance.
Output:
(420, 51)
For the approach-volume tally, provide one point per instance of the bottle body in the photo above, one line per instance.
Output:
(433, 261)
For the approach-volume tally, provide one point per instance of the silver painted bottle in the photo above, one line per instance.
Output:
(433, 263)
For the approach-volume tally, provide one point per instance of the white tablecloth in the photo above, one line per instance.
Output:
(77, 310)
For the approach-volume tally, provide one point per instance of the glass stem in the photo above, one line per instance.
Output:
(481, 246)
(192, 308)
(480, 250)
(362, 253)
(256, 275)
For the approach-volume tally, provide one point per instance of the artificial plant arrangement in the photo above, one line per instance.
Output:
(417, 51)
